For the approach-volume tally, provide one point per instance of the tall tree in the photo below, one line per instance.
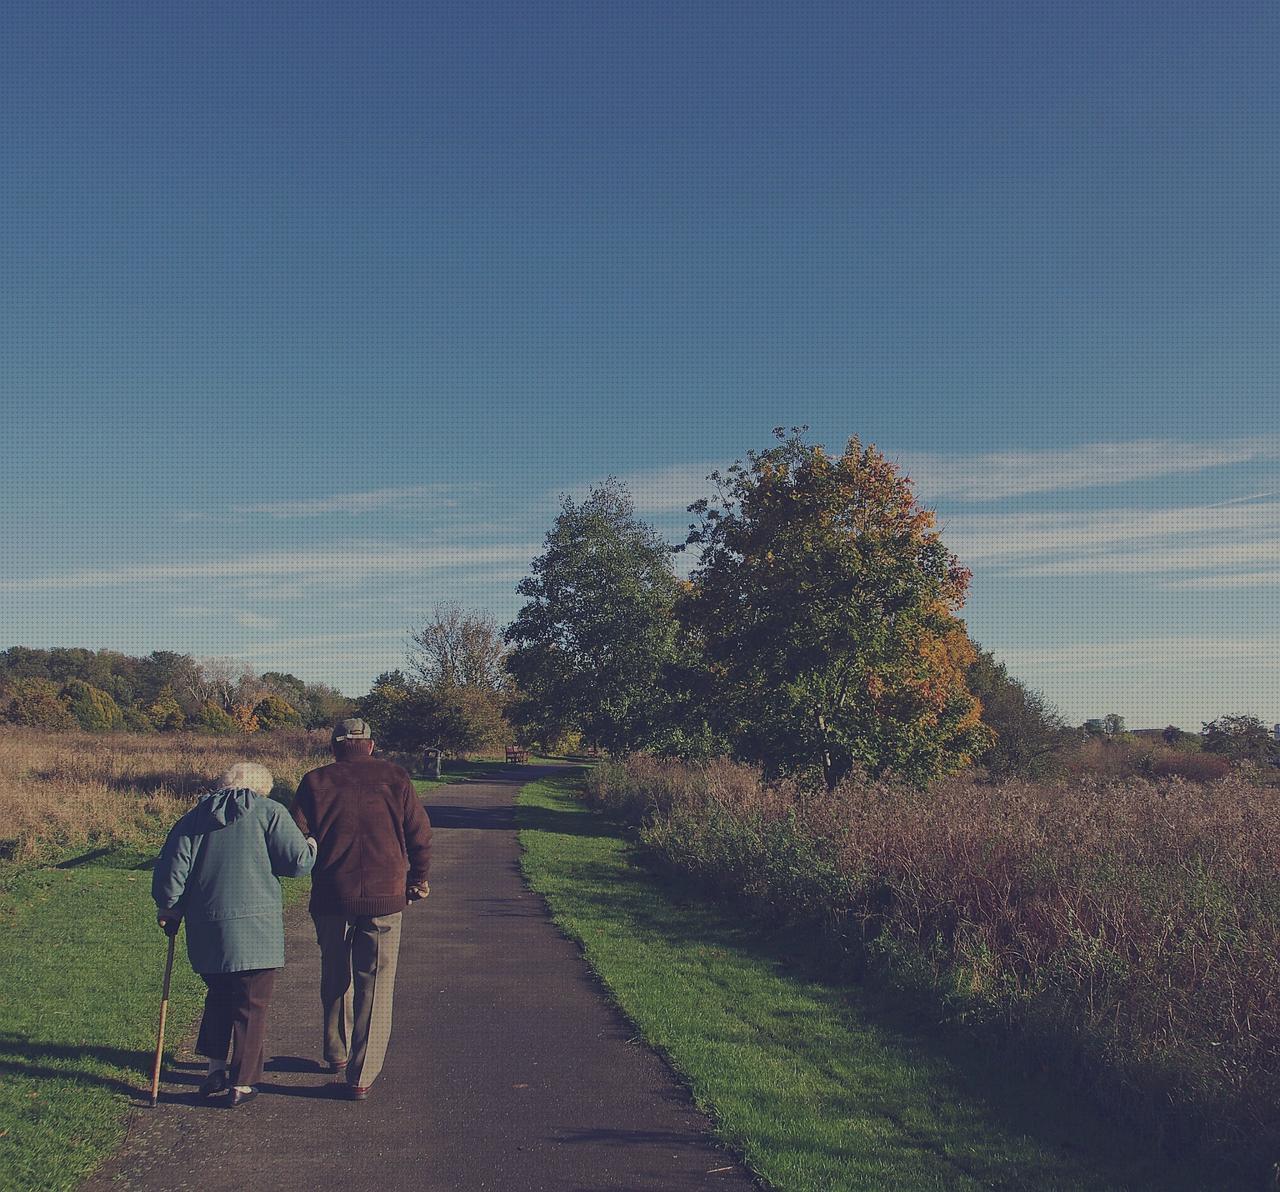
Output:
(590, 644)
(1240, 738)
(827, 603)
(459, 647)
(1029, 733)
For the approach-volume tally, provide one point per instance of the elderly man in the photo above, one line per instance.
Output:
(374, 843)
(219, 871)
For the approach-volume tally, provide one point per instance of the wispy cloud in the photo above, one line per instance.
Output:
(1227, 582)
(338, 565)
(1146, 653)
(247, 620)
(1161, 542)
(378, 500)
(999, 475)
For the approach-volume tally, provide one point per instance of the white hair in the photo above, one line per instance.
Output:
(247, 776)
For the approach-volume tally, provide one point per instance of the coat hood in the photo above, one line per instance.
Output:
(220, 809)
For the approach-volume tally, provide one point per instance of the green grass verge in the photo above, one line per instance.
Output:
(80, 977)
(821, 1087)
(462, 770)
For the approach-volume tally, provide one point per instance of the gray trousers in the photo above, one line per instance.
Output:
(357, 983)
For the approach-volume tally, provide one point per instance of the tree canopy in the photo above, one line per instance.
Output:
(590, 644)
(826, 602)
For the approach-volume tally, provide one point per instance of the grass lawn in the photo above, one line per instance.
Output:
(820, 1087)
(80, 976)
(462, 770)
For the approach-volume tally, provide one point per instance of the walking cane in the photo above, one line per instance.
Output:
(164, 1011)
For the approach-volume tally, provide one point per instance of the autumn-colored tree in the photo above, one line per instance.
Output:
(273, 712)
(246, 720)
(826, 601)
(35, 703)
(164, 711)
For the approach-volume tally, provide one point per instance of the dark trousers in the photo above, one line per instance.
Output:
(235, 1018)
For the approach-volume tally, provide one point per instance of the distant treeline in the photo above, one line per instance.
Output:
(103, 691)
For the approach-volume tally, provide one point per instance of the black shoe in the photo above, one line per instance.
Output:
(213, 1084)
(239, 1098)
(337, 1067)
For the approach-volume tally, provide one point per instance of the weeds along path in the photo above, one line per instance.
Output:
(508, 1067)
(821, 1086)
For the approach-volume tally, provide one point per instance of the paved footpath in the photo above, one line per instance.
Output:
(508, 1068)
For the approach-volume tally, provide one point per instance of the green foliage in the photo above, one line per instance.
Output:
(35, 703)
(1029, 734)
(407, 716)
(94, 710)
(137, 721)
(274, 712)
(214, 720)
(825, 603)
(1239, 738)
(326, 706)
(164, 711)
(591, 643)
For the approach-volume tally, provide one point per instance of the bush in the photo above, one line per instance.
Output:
(214, 720)
(35, 703)
(94, 710)
(1131, 929)
(137, 721)
(273, 712)
(164, 711)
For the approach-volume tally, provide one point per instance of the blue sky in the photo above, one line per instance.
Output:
(311, 311)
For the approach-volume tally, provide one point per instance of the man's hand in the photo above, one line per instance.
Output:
(418, 892)
(169, 922)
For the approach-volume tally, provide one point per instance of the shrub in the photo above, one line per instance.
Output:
(94, 710)
(137, 721)
(164, 711)
(1130, 928)
(214, 720)
(35, 703)
(273, 712)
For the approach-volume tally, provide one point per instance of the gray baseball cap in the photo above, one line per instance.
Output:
(354, 729)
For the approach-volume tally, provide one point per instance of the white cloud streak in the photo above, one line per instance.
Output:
(378, 500)
(999, 475)
(340, 565)
(1147, 653)
(1219, 538)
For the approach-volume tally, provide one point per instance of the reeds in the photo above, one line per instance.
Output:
(1129, 929)
(65, 790)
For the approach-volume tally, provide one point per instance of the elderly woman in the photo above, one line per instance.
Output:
(218, 870)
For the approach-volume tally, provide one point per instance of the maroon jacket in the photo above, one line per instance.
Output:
(373, 836)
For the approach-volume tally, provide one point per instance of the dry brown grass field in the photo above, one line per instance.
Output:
(60, 791)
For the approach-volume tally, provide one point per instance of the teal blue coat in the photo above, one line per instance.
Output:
(220, 867)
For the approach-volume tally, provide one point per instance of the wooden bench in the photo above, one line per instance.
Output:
(517, 754)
